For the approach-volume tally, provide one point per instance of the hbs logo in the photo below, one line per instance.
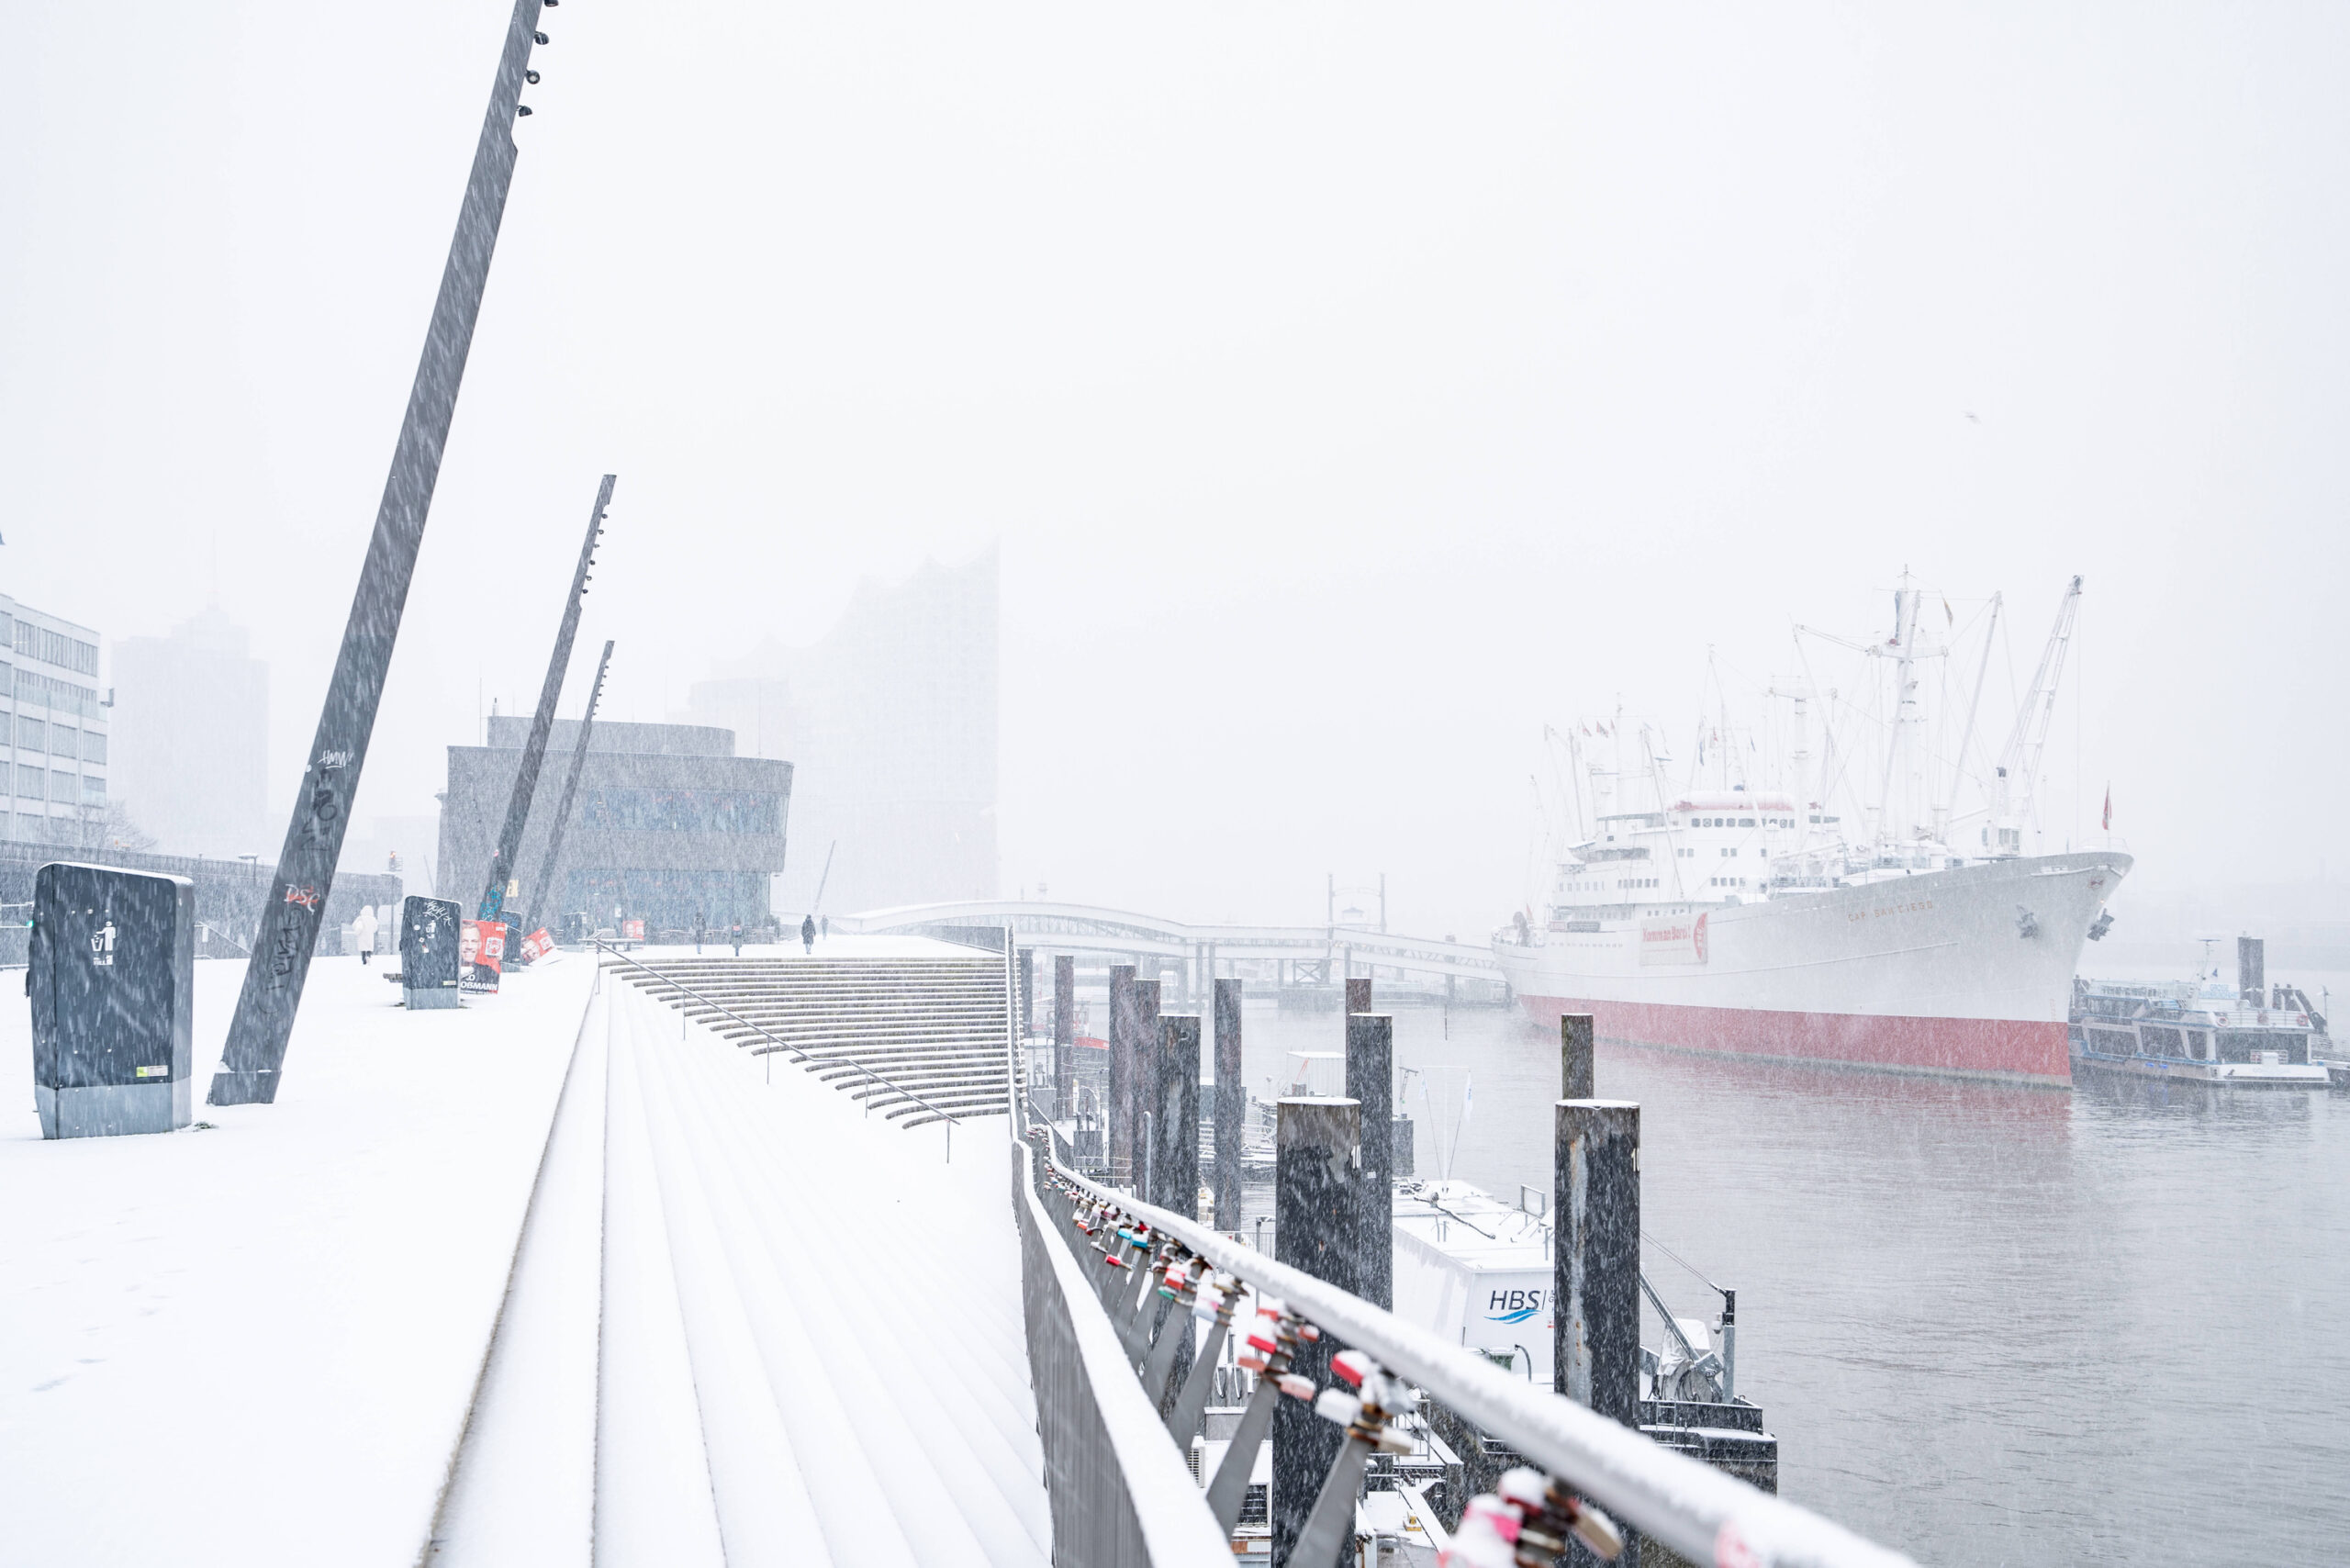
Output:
(1514, 1306)
(102, 945)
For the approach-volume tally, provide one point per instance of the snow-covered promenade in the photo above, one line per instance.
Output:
(744, 1320)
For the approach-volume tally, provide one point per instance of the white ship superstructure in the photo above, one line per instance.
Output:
(1869, 905)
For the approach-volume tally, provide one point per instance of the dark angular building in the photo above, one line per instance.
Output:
(669, 826)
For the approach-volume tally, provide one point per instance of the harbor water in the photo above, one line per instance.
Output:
(1988, 1325)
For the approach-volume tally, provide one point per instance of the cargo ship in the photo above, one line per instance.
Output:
(1873, 906)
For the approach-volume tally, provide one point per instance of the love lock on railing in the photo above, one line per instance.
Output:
(1524, 1524)
(1144, 1273)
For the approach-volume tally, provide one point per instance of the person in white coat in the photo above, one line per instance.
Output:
(363, 933)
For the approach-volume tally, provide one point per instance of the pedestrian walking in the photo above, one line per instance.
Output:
(738, 938)
(808, 933)
(363, 933)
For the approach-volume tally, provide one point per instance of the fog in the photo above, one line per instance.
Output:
(1351, 390)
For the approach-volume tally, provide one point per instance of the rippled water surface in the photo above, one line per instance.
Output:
(1997, 1325)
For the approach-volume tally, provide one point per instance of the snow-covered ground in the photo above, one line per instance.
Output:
(751, 1325)
(747, 1323)
(255, 1342)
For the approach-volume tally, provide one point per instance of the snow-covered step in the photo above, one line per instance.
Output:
(775, 1379)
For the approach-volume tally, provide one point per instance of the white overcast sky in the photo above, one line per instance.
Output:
(1352, 388)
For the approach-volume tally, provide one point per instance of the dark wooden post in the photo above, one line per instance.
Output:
(1595, 1289)
(1575, 1064)
(1175, 1161)
(1146, 1078)
(1358, 993)
(1318, 1145)
(1064, 1034)
(1370, 1083)
(1231, 1104)
(1119, 1113)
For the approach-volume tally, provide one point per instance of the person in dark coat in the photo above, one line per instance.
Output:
(738, 938)
(808, 933)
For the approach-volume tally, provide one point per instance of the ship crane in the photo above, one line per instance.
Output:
(2019, 768)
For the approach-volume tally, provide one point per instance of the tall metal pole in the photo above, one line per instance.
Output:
(297, 900)
(542, 887)
(534, 749)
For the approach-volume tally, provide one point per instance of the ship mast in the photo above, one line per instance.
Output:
(1898, 815)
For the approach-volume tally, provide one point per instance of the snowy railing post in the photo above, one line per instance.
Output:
(1576, 1066)
(1119, 1134)
(1370, 1083)
(1231, 1104)
(1175, 1153)
(1596, 1285)
(1064, 1034)
(1144, 1083)
(1317, 1170)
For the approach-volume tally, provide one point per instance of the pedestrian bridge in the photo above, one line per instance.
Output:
(1321, 952)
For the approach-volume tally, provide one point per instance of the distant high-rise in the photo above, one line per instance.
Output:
(889, 723)
(191, 739)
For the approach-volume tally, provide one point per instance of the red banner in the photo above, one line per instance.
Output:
(633, 930)
(537, 945)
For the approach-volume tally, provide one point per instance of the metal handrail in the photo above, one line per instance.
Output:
(799, 1056)
(1699, 1512)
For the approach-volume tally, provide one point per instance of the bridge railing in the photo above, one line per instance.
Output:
(1136, 1254)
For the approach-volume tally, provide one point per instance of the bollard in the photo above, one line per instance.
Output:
(1143, 1080)
(1119, 1113)
(1576, 1068)
(1175, 1165)
(1064, 1034)
(1231, 1104)
(1358, 993)
(1370, 1083)
(1028, 992)
(1595, 1289)
(1318, 1171)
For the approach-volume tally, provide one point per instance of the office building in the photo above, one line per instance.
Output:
(669, 826)
(57, 724)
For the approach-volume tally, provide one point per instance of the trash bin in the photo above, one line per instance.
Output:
(428, 952)
(112, 979)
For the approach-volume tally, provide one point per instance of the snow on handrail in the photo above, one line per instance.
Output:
(1699, 1512)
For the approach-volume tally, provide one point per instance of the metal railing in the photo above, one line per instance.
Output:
(1699, 1512)
(780, 1044)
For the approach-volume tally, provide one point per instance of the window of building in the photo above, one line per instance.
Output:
(29, 782)
(32, 735)
(93, 745)
(61, 696)
(55, 647)
(624, 810)
(64, 741)
(61, 784)
(94, 789)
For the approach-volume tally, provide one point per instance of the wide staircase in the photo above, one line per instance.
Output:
(921, 1039)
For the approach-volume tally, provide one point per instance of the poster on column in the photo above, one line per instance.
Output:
(537, 945)
(481, 954)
